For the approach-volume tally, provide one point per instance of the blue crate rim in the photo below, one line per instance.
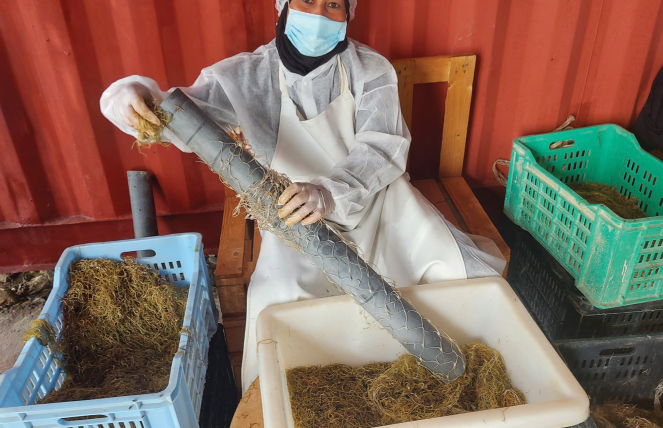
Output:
(580, 203)
(155, 398)
(198, 236)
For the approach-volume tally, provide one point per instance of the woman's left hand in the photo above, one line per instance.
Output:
(314, 202)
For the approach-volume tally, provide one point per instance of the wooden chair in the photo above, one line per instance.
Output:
(240, 240)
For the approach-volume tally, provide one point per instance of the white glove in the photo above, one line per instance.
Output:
(129, 105)
(314, 202)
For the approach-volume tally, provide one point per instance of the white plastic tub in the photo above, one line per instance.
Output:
(335, 330)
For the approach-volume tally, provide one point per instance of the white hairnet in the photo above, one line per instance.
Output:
(353, 6)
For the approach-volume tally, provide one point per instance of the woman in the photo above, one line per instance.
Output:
(324, 110)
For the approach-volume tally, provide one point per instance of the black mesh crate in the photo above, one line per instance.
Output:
(549, 294)
(626, 369)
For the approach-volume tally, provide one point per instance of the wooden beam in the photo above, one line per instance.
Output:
(405, 70)
(231, 246)
(252, 254)
(434, 69)
(459, 99)
(472, 212)
(232, 298)
(234, 327)
(236, 364)
(432, 192)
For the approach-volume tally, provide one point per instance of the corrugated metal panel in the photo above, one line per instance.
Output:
(537, 62)
(63, 164)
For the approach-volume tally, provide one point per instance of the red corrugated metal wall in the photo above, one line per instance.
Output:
(63, 166)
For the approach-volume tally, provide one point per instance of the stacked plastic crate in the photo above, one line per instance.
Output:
(592, 280)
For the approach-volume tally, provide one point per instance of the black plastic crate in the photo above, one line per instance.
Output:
(589, 423)
(549, 294)
(626, 369)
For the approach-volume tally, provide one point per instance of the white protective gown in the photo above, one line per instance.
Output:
(340, 127)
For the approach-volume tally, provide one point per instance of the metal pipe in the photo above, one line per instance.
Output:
(143, 210)
(320, 244)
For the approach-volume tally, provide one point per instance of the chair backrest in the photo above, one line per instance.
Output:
(458, 71)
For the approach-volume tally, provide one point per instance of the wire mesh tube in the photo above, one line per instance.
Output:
(260, 187)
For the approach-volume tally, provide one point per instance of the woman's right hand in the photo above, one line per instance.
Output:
(130, 106)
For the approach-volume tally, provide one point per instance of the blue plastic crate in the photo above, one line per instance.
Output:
(179, 258)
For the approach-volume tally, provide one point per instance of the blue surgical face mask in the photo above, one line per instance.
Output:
(314, 35)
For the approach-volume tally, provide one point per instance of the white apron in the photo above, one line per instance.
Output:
(400, 232)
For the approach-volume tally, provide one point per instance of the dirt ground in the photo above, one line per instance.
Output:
(14, 322)
(22, 297)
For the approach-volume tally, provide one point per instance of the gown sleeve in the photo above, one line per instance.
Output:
(382, 141)
(206, 92)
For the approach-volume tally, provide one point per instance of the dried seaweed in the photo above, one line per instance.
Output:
(386, 393)
(334, 396)
(595, 193)
(121, 329)
(45, 334)
(148, 132)
(618, 415)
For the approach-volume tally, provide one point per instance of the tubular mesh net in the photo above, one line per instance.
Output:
(259, 188)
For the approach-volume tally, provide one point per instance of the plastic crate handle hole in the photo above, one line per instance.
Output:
(561, 144)
(617, 351)
(77, 421)
(144, 254)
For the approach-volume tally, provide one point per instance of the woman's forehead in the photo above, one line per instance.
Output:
(353, 7)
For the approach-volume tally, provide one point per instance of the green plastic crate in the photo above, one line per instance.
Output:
(615, 262)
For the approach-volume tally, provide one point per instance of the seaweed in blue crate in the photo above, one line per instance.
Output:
(121, 328)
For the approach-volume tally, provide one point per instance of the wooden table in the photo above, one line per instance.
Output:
(249, 410)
